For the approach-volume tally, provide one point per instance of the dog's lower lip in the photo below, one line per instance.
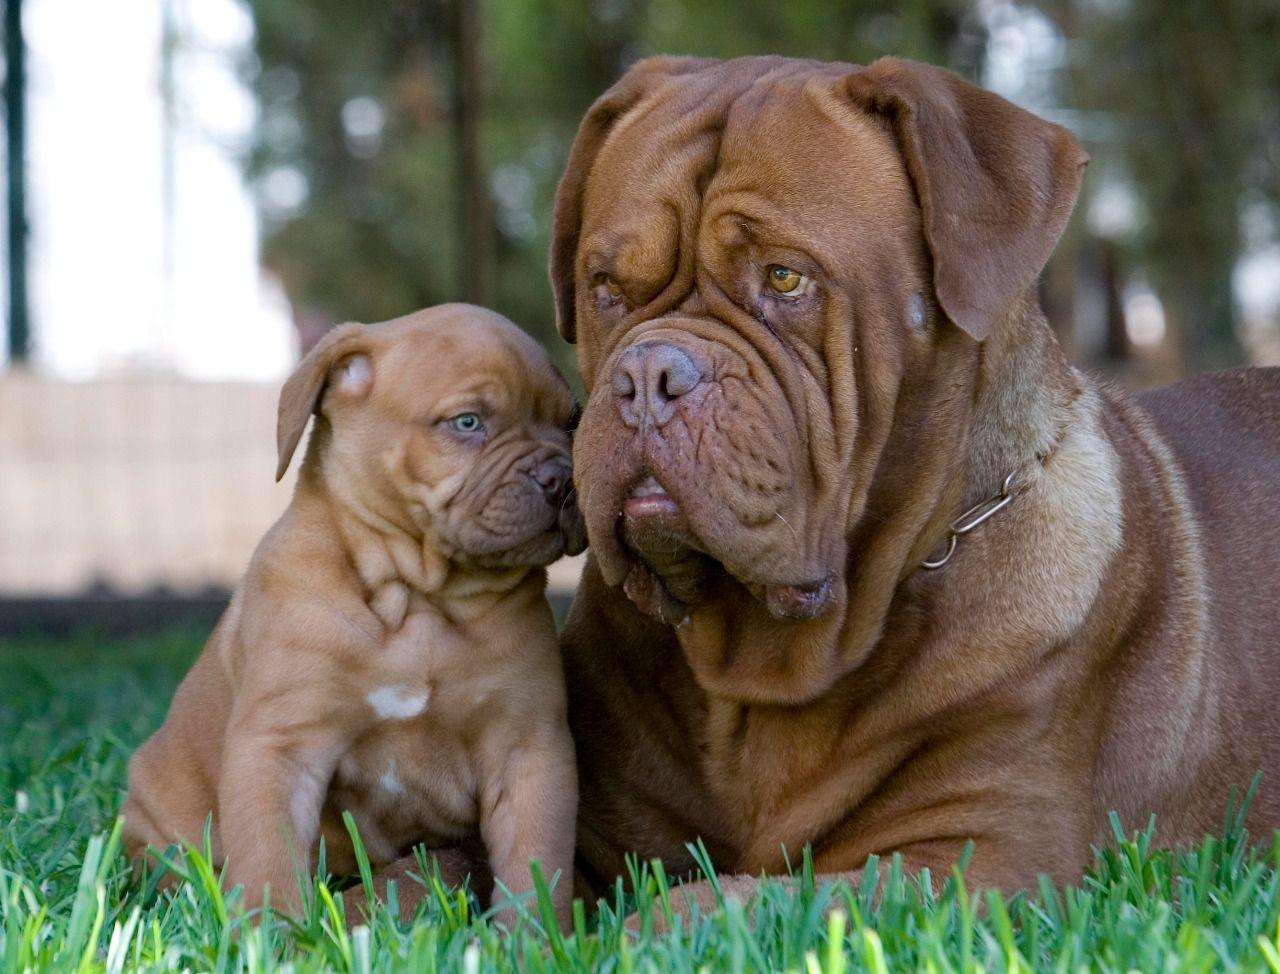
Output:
(803, 601)
(649, 506)
(648, 498)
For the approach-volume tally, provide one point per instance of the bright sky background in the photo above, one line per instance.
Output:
(98, 283)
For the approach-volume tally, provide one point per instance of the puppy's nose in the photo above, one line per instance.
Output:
(553, 476)
(649, 380)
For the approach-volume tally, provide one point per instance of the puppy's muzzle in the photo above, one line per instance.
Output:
(553, 477)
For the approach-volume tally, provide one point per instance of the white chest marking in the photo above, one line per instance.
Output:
(398, 703)
(389, 781)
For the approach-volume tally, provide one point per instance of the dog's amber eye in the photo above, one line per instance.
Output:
(611, 287)
(467, 423)
(784, 280)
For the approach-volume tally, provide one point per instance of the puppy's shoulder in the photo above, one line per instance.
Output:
(301, 557)
(298, 593)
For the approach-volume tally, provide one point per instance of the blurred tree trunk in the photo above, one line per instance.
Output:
(1177, 93)
(1199, 313)
(1058, 285)
(15, 101)
(475, 216)
(1116, 335)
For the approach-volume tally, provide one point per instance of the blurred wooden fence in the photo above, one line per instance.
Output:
(133, 484)
(130, 485)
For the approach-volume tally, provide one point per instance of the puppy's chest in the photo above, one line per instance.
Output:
(426, 647)
(410, 774)
(408, 780)
(428, 666)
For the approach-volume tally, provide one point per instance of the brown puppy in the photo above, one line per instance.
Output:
(390, 651)
(804, 301)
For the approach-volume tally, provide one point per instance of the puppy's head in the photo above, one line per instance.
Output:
(450, 423)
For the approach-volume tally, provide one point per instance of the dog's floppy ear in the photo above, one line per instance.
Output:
(592, 133)
(996, 184)
(347, 345)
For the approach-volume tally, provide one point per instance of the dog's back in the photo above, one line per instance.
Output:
(1223, 430)
(1222, 425)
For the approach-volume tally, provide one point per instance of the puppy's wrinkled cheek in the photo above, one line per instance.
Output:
(519, 522)
(514, 512)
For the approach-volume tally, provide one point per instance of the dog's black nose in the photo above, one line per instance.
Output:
(553, 476)
(649, 380)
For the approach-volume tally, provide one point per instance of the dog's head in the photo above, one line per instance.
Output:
(778, 273)
(450, 423)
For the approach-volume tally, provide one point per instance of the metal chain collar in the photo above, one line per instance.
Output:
(969, 520)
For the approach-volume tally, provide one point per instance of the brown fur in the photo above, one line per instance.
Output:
(390, 651)
(764, 664)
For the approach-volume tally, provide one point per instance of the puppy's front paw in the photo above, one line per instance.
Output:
(699, 897)
(456, 866)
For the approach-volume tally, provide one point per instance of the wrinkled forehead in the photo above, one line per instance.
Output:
(801, 154)
(471, 364)
(779, 145)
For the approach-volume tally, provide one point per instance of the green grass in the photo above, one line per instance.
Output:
(70, 712)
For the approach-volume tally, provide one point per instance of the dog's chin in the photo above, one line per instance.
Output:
(670, 571)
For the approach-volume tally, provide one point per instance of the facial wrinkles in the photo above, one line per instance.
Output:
(773, 357)
(435, 496)
(732, 325)
(647, 241)
(496, 468)
(758, 222)
(796, 379)
(807, 373)
(743, 349)
(768, 357)
(857, 366)
(650, 149)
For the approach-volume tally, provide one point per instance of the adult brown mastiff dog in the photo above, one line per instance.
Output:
(804, 301)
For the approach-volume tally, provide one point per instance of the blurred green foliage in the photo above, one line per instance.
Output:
(360, 107)
(1188, 98)
(377, 232)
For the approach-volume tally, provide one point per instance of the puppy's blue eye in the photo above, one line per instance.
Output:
(467, 423)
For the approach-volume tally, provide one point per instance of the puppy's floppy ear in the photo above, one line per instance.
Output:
(347, 345)
(996, 184)
(592, 133)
